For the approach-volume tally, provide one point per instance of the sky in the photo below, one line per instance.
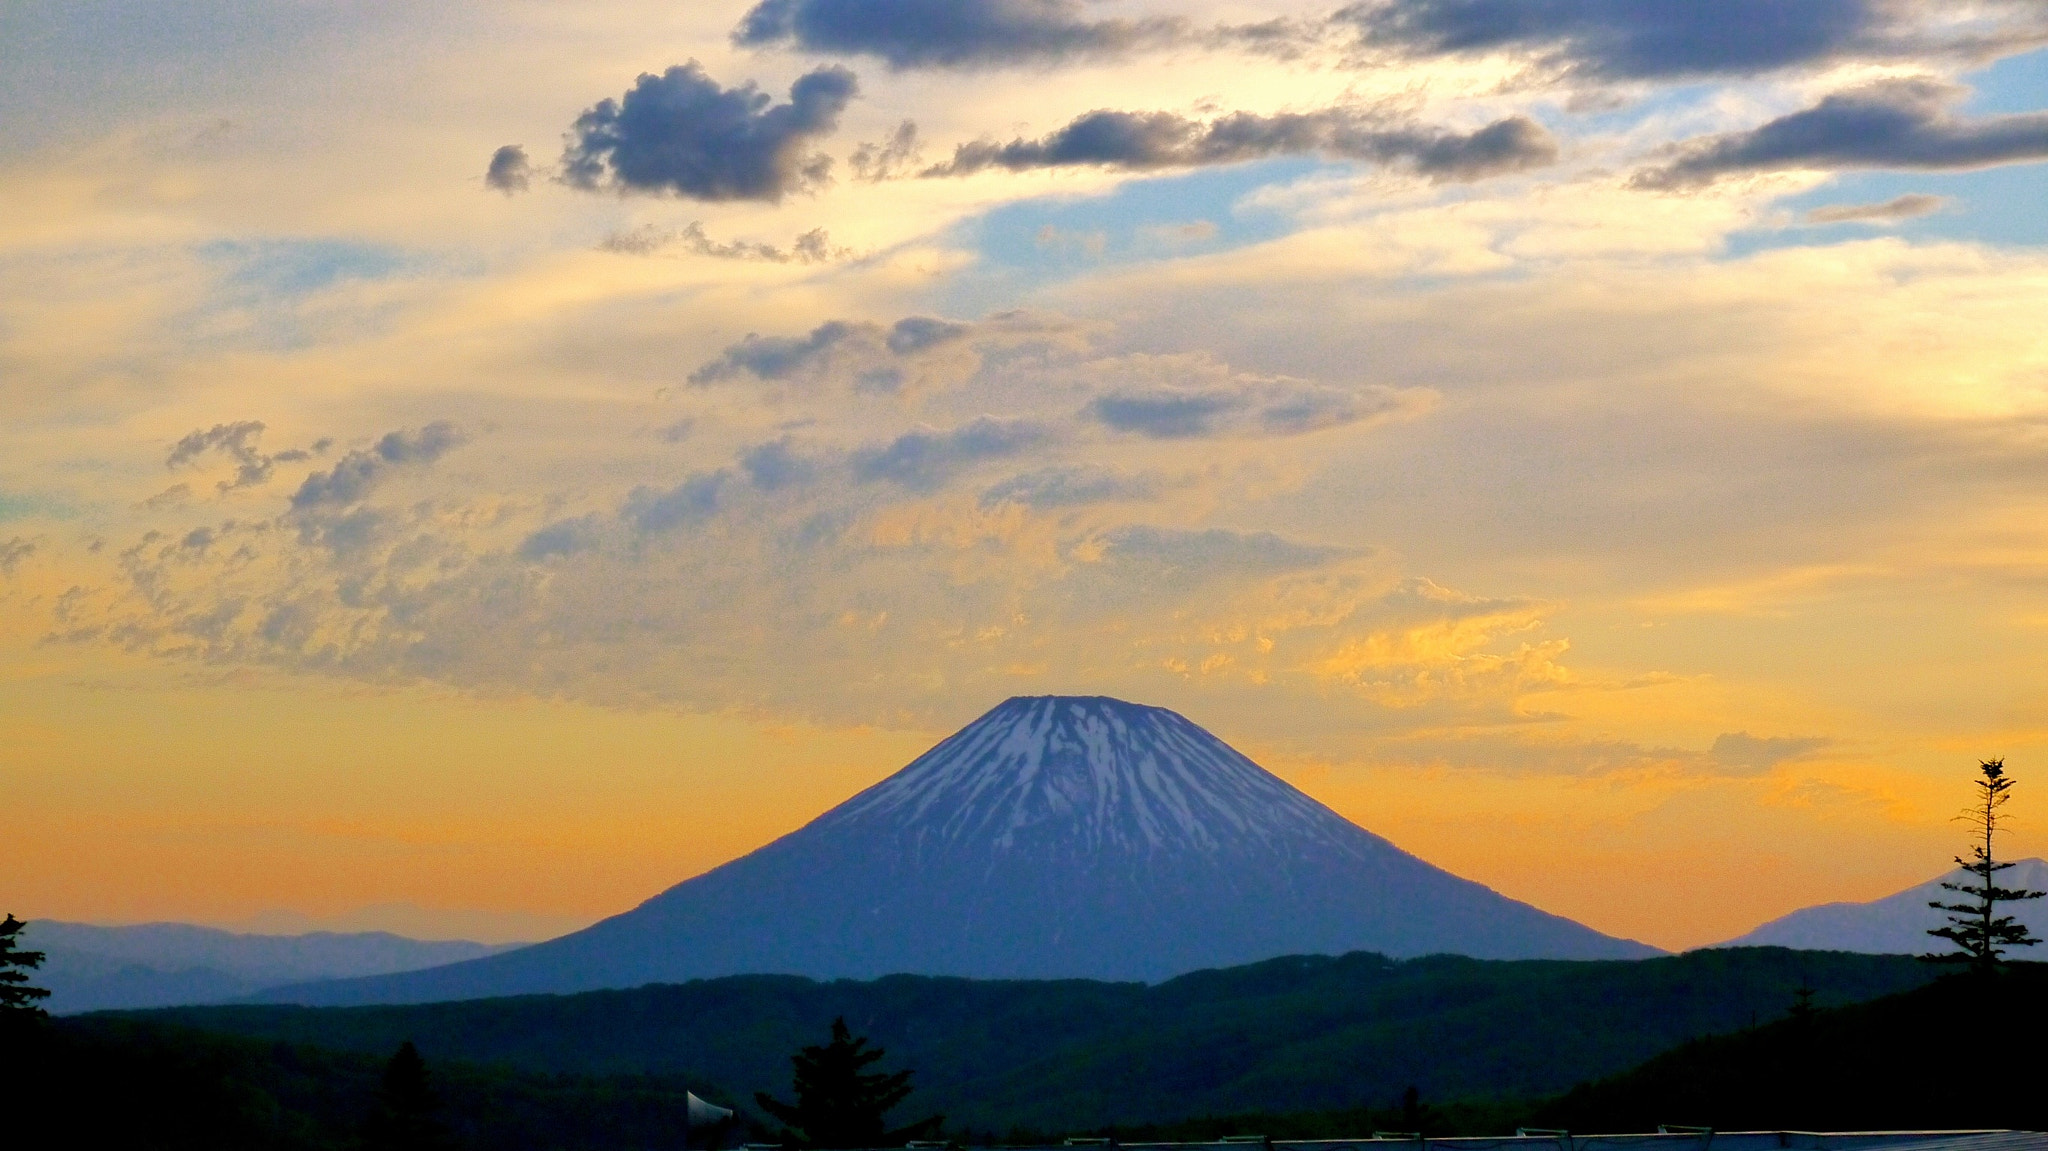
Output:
(468, 468)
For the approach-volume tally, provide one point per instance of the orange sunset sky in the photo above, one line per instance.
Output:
(434, 498)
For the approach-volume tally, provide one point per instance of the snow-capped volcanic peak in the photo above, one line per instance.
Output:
(1098, 774)
(1054, 837)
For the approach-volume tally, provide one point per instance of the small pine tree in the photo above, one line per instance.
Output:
(1411, 1109)
(405, 1117)
(1802, 1007)
(1974, 926)
(18, 996)
(838, 1103)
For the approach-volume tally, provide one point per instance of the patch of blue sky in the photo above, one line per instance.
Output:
(15, 506)
(269, 290)
(1674, 101)
(2014, 84)
(1033, 243)
(280, 268)
(2005, 206)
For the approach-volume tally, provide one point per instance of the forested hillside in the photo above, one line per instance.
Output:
(141, 1086)
(1967, 1051)
(1287, 1035)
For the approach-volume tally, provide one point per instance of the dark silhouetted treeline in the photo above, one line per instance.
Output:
(1968, 1051)
(1962, 1052)
(144, 1086)
(1295, 1035)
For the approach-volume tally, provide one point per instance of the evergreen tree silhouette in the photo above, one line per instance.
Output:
(1411, 1109)
(840, 1104)
(1974, 926)
(17, 995)
(1802, 1007)
(405, 1119)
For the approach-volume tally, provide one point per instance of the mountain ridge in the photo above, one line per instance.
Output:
(92, 967)
(1894, 924)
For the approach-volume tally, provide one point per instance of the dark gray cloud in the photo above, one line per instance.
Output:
(691, 502)
(170, 497)
(1903, 124)
(1308, 409)
(780, 357)
(1255, 407)
(949, 33)
(238, 441)
(1143, 141)
(682, 133)
(913, 334)
(425, 446)
(786, 357)
(1659, 39)
(923, 460)
(13, 551)
(1073, 485)
(1212, 553)
(898, 155)
(509, 171)
(1743, 753)
(354, 475)
(1165, 413)
(776, 465)
(1906, 207)
(561, 538)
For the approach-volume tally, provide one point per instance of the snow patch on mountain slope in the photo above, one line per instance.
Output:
(1114, 776)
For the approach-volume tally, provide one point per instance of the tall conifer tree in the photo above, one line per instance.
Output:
(17, 995)
(1980, 934)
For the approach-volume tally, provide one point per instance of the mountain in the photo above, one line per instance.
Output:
(1896, 924)
(91, 968)
(1053, 837)
(1303, 1033)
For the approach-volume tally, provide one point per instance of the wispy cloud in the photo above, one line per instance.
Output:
(1656, 40)
(1147, 141)
(1903, 124)
(1910, 206)
(950, 33)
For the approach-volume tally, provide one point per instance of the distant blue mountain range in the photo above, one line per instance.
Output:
(1898, 923)
(90, 967)
(1052, 837)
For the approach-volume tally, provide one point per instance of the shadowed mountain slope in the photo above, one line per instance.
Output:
(1053, 837)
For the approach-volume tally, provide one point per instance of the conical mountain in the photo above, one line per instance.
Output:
(1055, 836)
